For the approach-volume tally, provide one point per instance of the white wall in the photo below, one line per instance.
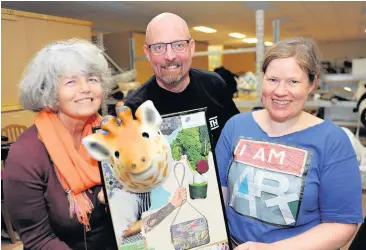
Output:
(337, 52)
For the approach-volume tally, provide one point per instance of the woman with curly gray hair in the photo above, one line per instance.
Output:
(51, 183)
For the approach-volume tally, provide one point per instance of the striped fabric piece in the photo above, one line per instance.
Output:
(145, 203)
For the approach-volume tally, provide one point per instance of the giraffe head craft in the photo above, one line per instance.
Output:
(138, 152)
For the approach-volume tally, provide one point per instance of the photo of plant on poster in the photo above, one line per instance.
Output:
(194, 143)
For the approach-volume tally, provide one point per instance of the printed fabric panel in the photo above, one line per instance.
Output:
(266, 181)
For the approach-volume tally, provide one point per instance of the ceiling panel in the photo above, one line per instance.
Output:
(290, 8)
(345, 7)
(321, 20)
(55, 8)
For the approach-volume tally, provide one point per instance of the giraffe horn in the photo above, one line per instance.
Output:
(124, 113)
(109, 123)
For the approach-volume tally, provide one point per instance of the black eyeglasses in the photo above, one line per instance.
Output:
(177, 46)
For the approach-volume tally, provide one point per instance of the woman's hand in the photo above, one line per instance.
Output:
(253, 246)
(101, 197)
(179, 197)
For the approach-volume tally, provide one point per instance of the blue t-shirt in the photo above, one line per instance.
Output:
(279, 187)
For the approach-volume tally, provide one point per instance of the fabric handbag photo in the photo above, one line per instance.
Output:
(189, 234)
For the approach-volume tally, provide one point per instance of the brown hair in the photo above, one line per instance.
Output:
(305, 51)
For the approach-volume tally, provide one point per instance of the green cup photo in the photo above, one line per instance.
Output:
(198, 190)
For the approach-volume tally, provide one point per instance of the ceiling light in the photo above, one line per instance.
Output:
(204, 29)
(347, 89)
(250, 40)
(268, 43)
(236, 35)
(254, 40)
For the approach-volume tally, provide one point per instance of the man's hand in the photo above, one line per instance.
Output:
(180, 196)
(253, 246)
(133, 229)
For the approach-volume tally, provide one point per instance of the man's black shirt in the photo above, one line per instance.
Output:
(206, 89)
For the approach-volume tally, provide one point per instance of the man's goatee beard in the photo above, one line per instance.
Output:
(172, 80)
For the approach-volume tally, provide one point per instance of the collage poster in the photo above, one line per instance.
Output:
(174, 202)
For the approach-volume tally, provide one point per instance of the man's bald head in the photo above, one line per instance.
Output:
(166, 21)
(170, 51)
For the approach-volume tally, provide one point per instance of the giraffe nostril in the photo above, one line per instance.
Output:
(133, 166)
(143, 159)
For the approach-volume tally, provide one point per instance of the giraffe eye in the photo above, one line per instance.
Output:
(116, 154)
(145, 135)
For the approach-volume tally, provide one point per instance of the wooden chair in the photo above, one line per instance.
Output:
(12, 131)
(8, 223)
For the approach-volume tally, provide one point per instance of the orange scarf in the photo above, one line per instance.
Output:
(76, 169)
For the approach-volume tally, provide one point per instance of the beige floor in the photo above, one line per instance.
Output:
(6, 245)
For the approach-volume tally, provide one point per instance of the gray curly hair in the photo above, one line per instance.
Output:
(39, 86)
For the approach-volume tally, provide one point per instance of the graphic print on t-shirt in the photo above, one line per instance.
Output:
(266, 181)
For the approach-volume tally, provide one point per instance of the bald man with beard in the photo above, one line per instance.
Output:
(176, 86)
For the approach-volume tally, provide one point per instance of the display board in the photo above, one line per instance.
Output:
(146, 165)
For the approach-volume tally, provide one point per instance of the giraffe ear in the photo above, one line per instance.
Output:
(96, 146)
(148, 114)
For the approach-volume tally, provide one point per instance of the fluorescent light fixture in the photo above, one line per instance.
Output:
(204, 29)
(236, 35)
(268, 43)
(347, 89)
(254, 40)
(250, 40)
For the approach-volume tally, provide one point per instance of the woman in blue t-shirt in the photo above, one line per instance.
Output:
(290, 180)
